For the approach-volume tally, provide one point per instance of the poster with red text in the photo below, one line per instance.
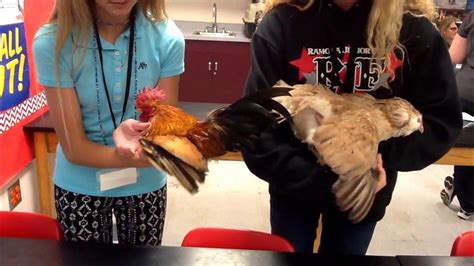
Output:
(20, 100)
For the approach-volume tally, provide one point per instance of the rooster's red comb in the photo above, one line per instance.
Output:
(150, 94)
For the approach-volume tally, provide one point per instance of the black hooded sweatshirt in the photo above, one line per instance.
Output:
(302, 47)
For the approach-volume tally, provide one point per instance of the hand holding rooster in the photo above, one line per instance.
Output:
(126, 137)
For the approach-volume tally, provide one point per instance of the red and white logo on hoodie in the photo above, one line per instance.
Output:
(315, 66)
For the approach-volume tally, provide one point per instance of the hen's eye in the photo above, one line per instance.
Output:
(397, 115)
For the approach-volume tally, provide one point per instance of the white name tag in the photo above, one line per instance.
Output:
(117, 178)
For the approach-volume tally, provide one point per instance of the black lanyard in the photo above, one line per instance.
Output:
(129, 69)
(348, 85)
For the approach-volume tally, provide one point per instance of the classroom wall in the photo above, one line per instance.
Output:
(201, 10)
(29, 191)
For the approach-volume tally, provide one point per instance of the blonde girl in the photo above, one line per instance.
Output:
(382, 48)
(93, 57)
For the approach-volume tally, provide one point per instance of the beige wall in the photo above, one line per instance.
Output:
(228, 11)
(29, 191)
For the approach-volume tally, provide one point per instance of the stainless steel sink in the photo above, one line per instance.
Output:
(226, 34)
(214, 30)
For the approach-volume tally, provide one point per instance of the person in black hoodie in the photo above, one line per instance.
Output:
(360, 46)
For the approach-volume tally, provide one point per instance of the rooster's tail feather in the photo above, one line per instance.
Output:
(164, 160)
(240, 123)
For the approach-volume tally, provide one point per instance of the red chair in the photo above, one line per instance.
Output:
(236, 239)
(464, 245)
(28, 225)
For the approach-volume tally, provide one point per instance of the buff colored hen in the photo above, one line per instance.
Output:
(344, 132)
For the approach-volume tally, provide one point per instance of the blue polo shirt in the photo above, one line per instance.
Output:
(159, 54)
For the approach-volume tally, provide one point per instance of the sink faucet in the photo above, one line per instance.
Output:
(214, 28)
(214, 14)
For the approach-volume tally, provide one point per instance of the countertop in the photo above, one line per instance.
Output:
(188, 27)
(200, 110)
(44, 122)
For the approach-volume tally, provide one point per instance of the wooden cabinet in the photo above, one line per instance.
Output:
(215, 71)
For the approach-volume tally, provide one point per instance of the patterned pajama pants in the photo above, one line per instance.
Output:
(140, 218)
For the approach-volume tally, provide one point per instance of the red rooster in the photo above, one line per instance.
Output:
(179, 144)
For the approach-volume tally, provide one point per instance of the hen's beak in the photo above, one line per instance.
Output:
(421, 129)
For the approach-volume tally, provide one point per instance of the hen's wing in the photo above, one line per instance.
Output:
(356, 195)
(339, 130)
(348, 144)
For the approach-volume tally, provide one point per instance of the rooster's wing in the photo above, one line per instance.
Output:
(167, 147)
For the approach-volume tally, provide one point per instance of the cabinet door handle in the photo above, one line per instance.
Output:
(215, 66)
(209, 66)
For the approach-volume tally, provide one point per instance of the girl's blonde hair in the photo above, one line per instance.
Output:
(424, 8)
(69, 14)
(383, 28)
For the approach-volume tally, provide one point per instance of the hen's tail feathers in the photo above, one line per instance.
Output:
(241, 123)
(356, 195)
(163, 160)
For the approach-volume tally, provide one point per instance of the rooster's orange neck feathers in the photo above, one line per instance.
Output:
(146, 102)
